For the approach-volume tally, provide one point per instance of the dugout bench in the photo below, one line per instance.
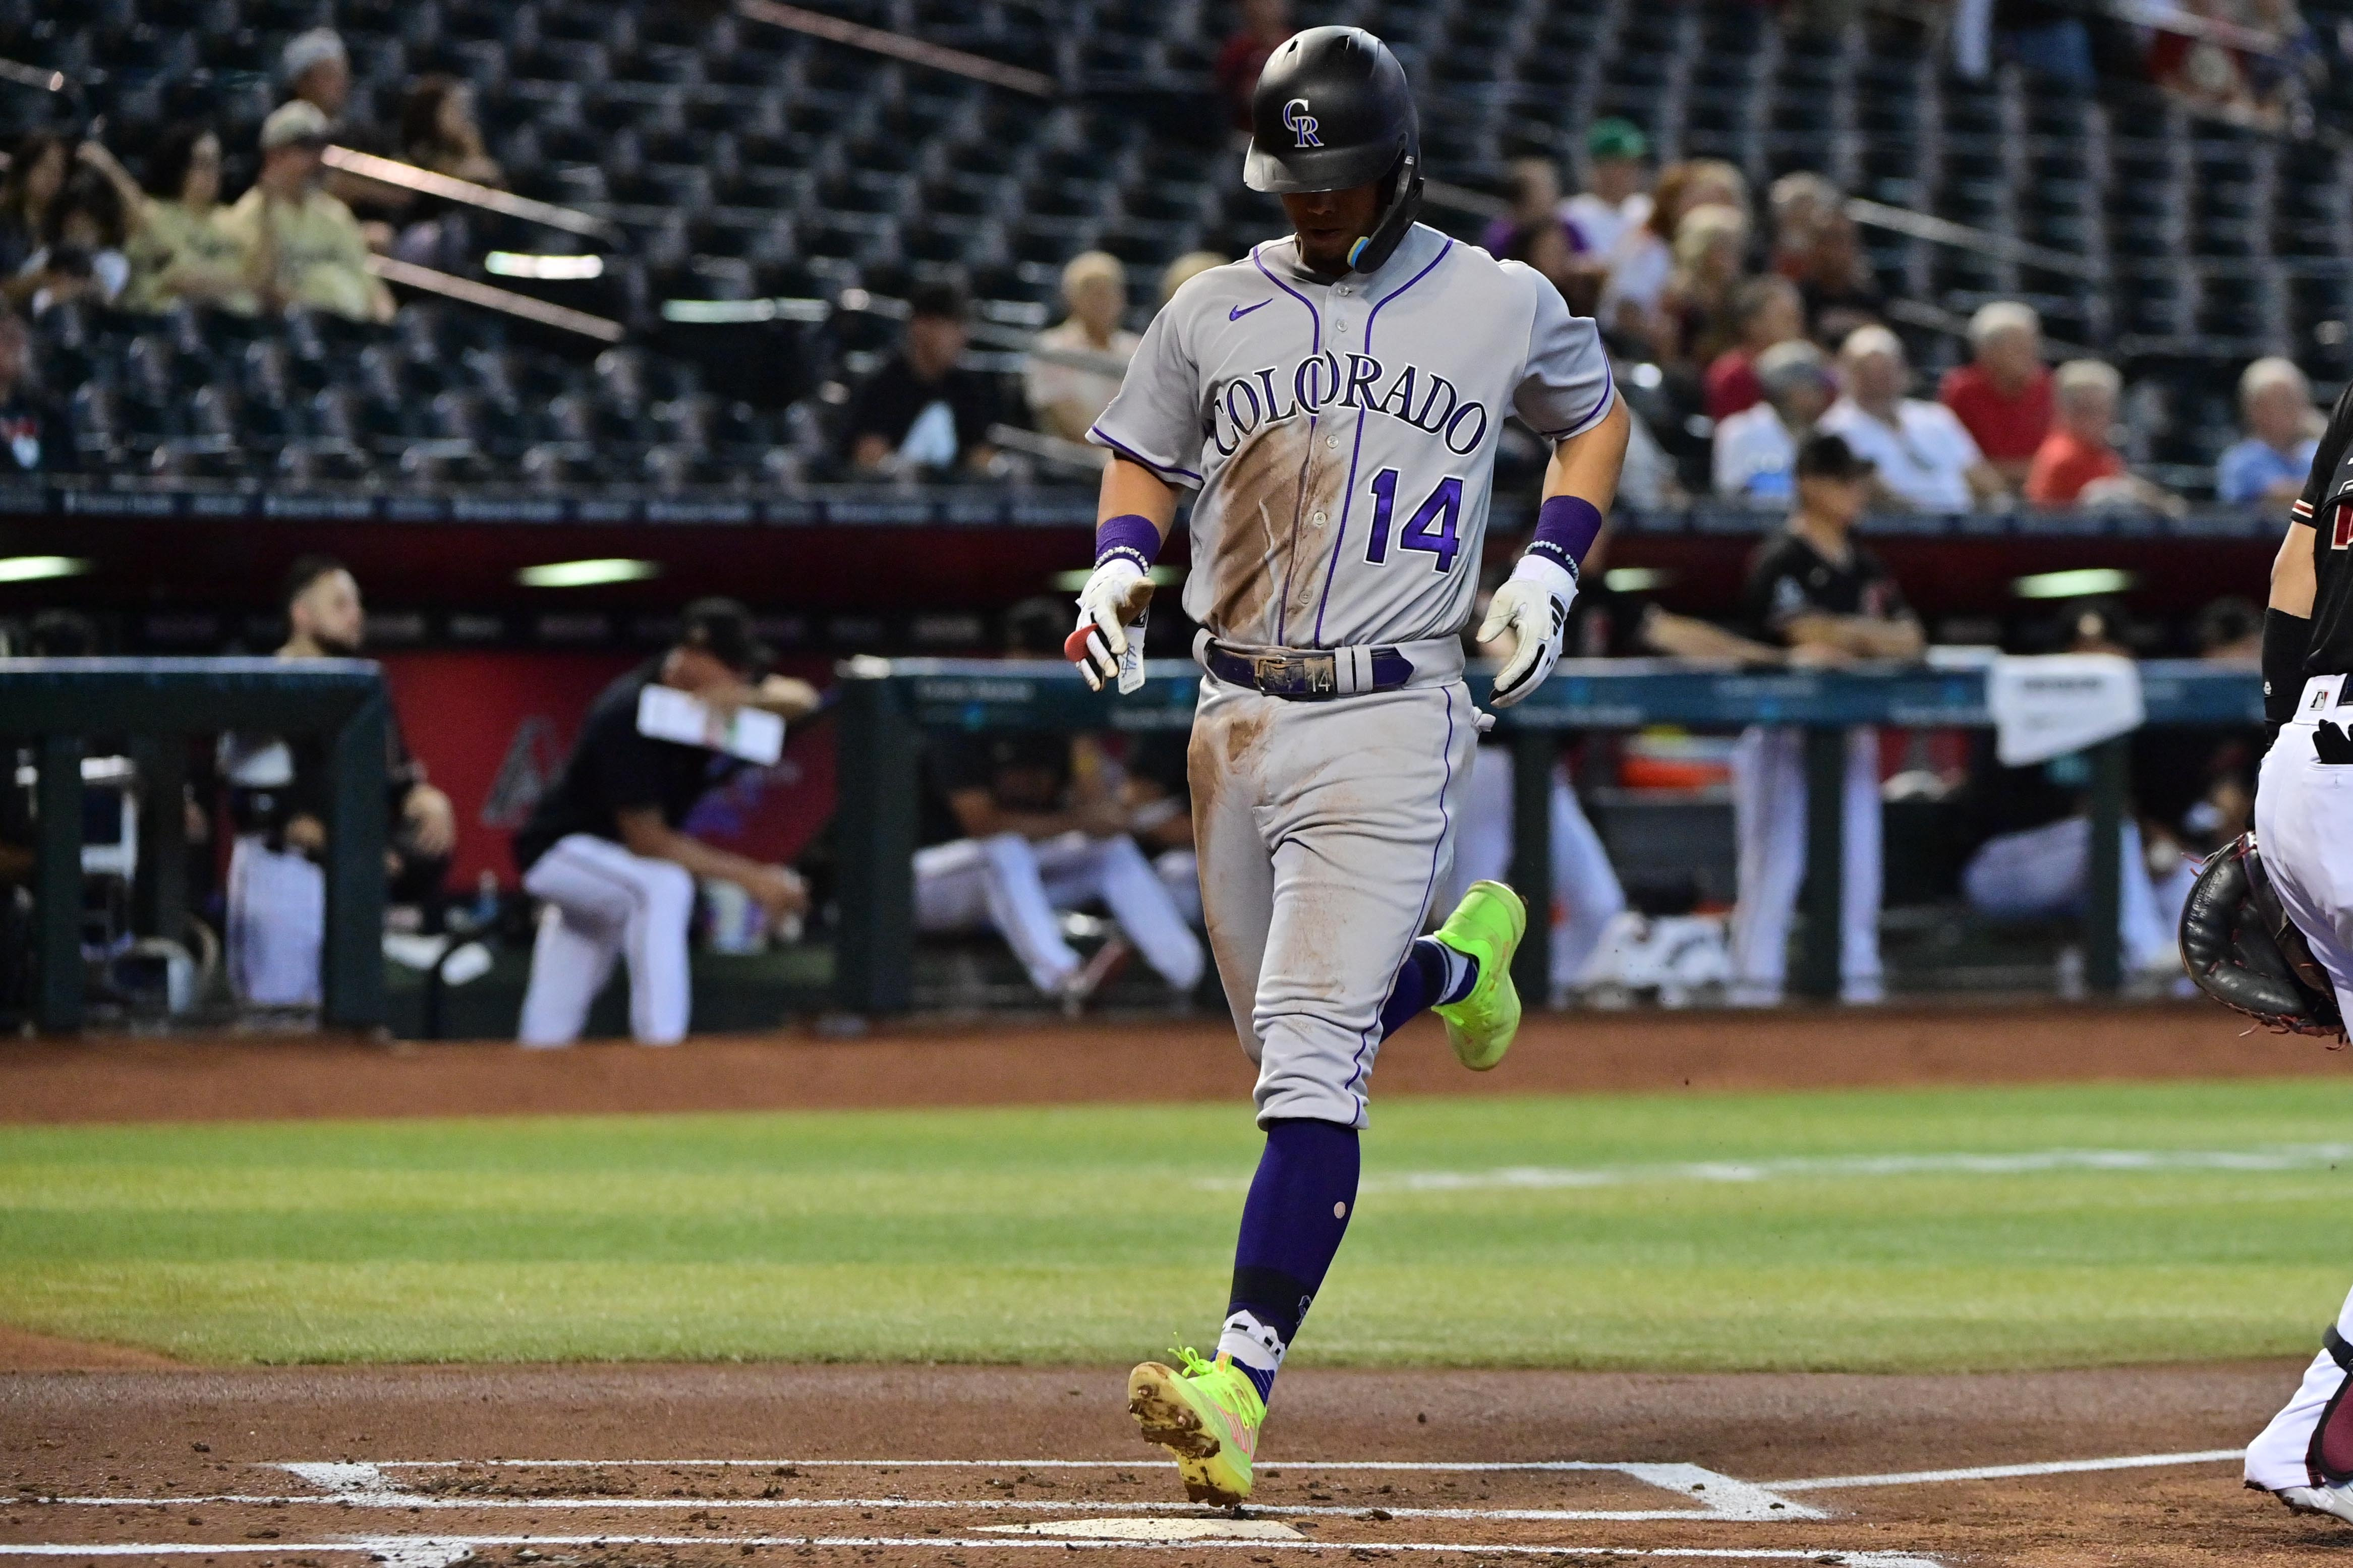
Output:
(59, 704)
(887, 705)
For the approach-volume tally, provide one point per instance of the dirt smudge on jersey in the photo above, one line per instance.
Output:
(1222, 765)
(1267, 501)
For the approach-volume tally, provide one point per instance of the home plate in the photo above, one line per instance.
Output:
(1152, 1530)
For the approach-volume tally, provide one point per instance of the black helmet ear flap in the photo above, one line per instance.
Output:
(1404, 203)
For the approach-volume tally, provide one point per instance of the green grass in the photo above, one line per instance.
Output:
(1091, 1234)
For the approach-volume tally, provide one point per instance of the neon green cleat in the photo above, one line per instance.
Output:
(1207, 1415)
(1487, 925)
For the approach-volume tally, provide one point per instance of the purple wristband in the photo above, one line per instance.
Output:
(1128, 537)
(1566, 527)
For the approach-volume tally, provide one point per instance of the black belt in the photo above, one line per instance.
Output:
(1310, 675)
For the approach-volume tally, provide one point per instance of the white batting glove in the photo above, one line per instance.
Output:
(1113, 600)
(1533, 604)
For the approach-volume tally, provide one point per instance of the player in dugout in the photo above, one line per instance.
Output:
(603, 851)
(277, 889)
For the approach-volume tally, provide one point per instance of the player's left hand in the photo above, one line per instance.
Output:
(1533, 605)
(432, 821)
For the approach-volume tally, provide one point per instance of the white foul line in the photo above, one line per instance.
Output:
(450, 1549)
(2276, 1157)
(2004, 1472)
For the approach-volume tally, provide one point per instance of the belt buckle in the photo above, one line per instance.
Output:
(1272, 672)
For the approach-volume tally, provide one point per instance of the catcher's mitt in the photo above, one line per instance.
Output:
(2244, 951)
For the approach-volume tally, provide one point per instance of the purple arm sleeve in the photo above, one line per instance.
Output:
(1566, 527)
(1128, 537)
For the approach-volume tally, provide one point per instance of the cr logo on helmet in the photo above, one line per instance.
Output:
(1302, 124)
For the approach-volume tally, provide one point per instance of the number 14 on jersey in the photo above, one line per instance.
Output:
(1432, 528)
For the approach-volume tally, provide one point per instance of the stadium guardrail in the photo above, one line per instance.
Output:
(888, 706)
(61, 703)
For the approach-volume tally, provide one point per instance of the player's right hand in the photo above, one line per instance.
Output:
(1115, 596)
(779, 891)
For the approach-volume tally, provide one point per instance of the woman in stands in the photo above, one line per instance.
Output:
(178, 247)
(81, 246)
(438, 132)
(38, 166)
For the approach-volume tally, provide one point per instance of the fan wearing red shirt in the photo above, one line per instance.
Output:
(2076, 466)
(1765, 312)
(2003, 397)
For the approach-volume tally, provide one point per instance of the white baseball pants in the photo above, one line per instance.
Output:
(277, 924)
(1768, 812)
(1323, 830)
(601, 904)
(2302, 804)
(1586, 894)
(2045, 871)
(1015, 885)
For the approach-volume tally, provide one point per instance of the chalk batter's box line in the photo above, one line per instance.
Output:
(413, 1502)
(440, 1552)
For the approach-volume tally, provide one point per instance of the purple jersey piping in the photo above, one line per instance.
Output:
(1609, 396)
(1356, 449)
(1363, 1039)
(1315, 346)
(1126, 451)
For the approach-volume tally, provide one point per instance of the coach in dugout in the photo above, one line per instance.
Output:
(276, 890)
(603, 851)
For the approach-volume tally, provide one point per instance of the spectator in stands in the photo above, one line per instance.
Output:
(1757, 448)
(1836, 279)
(1642, 263)
(2077, 465)
(1024, 825)
(1711, 246)
(921, 411)
(2282, 432)
(2002, 396)
(181, 246)
(1183, 271)
(33, 439)
(1544, 245)
(1615, 202)
(1265, 25)
(604, 850)
(310, 249)
(1763, 311)
(1065, 398)
(438, 132)
(82, 246)
(317, 69)
(276, 888)
(38, 167)
(1534, 187)
(1798, 203)
(1924, 461)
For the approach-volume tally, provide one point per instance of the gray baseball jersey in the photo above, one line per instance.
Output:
(1341, 432)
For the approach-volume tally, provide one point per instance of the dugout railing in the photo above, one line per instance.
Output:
(151, 706)
(889, 705)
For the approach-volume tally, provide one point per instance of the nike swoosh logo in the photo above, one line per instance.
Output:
(1239, 311)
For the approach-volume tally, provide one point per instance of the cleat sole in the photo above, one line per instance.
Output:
(1163, 1417)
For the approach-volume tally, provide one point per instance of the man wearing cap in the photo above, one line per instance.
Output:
(1829, 601)
(1757, 448)
(1614, 201)
(312, 252)
(603, 850)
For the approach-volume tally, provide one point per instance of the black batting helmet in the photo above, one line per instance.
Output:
(1332, 110)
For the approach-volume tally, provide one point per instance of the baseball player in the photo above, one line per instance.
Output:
(1334, 398)
(277, 889)
(2304, 1457)
(1828, 600)
(603, 853)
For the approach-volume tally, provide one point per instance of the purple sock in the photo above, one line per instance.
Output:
(1432, 973)
(1292, 1225)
